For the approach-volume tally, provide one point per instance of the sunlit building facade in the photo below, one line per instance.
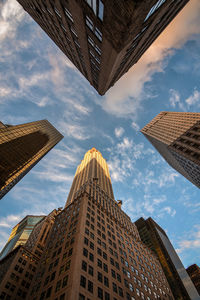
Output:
(155, 238)
(21, 147)
(103, 38)
(176, 136)
(17, 267)
(94, 250)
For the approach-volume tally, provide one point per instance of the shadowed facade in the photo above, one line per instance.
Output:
(21, 147)
(103, 38)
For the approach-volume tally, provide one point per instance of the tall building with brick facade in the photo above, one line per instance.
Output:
(103, 38)
(18, 267)
(94, 250)
(21, 148)
(176, 136)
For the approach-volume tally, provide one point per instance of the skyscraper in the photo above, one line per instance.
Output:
(21, 147)
(176, 136)
(194, 273)
(156, 239)
(103, 38)
(18, 267)
(93, 250)
(20, 233)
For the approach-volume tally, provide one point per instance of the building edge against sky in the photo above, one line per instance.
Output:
(21, 148)
(91, 249)
(103, 38)
(156, 239)
(176, 136)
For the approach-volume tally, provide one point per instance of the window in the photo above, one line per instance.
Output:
(81, 297)
(91, 257)
(106, 282)
(113, 273)
(86, 241)
(104, 255)
(65, 279)
(90, 270)
(107, 296)
(114, 287)
(154, 8)
(90, 286)
(48, 294)
(84, 265)
(120, 291)
(99, 277)
(85, 252)
(105, 267)
(118, 277)
(100, 293)
(131, 287)
(83, 281)
(99, 263)
(58, 285)
(89, 23)
(91, 245)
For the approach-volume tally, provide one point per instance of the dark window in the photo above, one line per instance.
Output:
(91, 270)
(90, 286)
(100, 293)
(65, 279)
(104, 255)
(105, 267)
(118, 277)
(81, 297)
(100, 277)
(107, 296)
(120, 292)
(48, 294)
(92, 245)
(99, 263)
(83, 281)
(114, 287)
(85, 252)
(86, 241)
(84, 265)
(91, 257)
(106, 282)
(113, 273)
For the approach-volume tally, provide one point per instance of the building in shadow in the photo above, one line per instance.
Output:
(21, 148)
(103, 38)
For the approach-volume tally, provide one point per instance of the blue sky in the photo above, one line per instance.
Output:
(38, 82)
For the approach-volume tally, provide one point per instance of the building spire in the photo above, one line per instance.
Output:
(92, 166)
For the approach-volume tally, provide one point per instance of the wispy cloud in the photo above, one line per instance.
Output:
(11, 14)
(194, 99)
(135, 126)
(125, 98)
(119, 131)
(192, 242)
(175, 100)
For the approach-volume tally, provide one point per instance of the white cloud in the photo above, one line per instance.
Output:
(175, 99)
(74, 130)
(123, 157)
(119, 131)
(194, 98)
(135, 126)
(125, 97)
(190, 243)
(11, 13)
